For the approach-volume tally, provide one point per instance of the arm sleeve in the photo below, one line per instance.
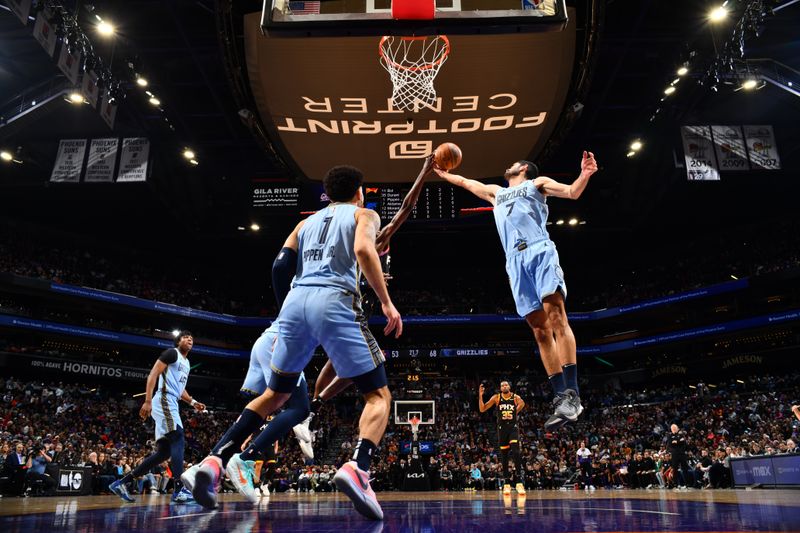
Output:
(283, 270)
(169, 356)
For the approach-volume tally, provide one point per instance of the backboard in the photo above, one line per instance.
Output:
(405, 410)
(327, 100)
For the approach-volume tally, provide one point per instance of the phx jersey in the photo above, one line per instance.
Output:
(170, 387)
(520, 214)
(324, 305)
(507, 430)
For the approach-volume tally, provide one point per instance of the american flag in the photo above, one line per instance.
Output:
(304, 8)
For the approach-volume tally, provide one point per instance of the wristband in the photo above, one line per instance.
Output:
(193, 402)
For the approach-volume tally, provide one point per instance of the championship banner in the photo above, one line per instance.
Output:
(70, 64)
(21, 8)
(69, 161)
(133, 161)
(698, 150)
(44, 32)
(89, 88)
(730, 149)
(102, 161)
(108, 110)
(761, 147)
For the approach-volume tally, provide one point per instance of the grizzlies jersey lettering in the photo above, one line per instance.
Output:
(520, 214)
(326, 257)
(173, 380)
(506, 411)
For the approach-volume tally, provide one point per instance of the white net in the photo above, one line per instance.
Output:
(412, 64)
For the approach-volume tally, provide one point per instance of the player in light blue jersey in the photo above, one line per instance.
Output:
(335, 247)
(537, 281)
(166, 384)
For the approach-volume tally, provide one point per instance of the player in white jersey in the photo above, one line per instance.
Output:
(335, 246)
(166, 384)
(537, 281)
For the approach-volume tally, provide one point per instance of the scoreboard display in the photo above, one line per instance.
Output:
(436, 201)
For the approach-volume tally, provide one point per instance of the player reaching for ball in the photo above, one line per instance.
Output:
(537, 281)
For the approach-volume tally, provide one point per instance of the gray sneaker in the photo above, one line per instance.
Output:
(567, 408)
(570, 407)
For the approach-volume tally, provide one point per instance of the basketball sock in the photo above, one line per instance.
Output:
(504, 459)
(571, 376)
(557, 382)
(231, 441)
(161, 454)
(279, 426)
(363, 453)
(518, 461)
(176, 461)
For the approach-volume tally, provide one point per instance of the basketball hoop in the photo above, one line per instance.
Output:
(414, 426)
(412, 64)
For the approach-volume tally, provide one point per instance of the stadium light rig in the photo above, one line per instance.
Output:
(141, 82)
(176, 332)
(75, 98)
(255, 227)
(105, 28)
(718, 14)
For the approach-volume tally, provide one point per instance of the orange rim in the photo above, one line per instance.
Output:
(428, 66)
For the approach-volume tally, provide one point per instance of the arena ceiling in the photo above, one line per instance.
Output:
(178, 47)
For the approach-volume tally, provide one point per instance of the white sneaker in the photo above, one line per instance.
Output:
(189, 475)
(241, 474)
(591, 487)
(302, 430)
(306, 448)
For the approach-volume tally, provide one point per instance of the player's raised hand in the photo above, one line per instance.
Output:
(588, 163)
(144, 412)
(394, 322)
(481, 389)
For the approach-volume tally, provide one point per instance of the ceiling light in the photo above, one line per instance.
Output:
(573, 222)
(669, 90)
(195, 162)
(6, 156)
(188, 154)
(559, 222)
(717, 14)
(176, 332)
(141, 82)
(255, 227)
(676, 80)
(76, 98)
(636, 145)
(683, 71)
(155, 101)
(105, 28)
(631, 154)
(749, 84)
(240, 228)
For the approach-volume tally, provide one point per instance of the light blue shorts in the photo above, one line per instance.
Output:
(534, 274)
(259, 372)
(166, 414)
(330, 317)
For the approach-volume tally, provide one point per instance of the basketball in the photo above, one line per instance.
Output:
(447, 156)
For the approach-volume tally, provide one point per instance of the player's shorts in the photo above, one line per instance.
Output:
(329, 316)
(259, 372)
(166, 414)
(534, 274)
(507, 435)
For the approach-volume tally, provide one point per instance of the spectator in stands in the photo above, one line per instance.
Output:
(36, 464)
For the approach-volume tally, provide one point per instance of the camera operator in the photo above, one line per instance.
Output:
(37, 461)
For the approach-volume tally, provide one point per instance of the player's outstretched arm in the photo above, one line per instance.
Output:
(385, 234)
(367, 224)
(551, 187)
(481, 190)
(796, 411)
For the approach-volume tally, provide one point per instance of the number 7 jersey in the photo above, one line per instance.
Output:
(520, 214)
(326, 256)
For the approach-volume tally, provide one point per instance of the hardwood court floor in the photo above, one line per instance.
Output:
(429, 512)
